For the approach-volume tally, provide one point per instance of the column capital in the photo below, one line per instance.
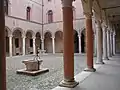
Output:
(79, 35)
(53, 37)
(23, 36)
(42, 39)
(98, 24)
(88, 15)
(87, 8)
(33, 37)
(67, 3)
(10, 35)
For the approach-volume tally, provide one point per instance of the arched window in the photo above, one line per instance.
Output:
(28, 13)
(6, 7)
(50, 16)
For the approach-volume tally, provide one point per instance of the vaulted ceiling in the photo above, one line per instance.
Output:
(112, 8)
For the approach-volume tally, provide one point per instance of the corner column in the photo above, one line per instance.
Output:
(34, 49)
(42, 44)
(99, 43)
(2, 48)
(23, 38)
(10, 45)
(53, 44)
(79, 44)
(105, 55)
(68, 39)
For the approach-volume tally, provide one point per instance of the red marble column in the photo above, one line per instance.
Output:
(89, 44)
(2, 49)
(68, 39)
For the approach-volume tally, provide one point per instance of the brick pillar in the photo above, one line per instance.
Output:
(68, 39)
(2, 49)
(89, 43)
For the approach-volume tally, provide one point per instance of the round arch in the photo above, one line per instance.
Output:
(83, 41)
(48, 42)
(30, 31)
(38, 40)
(17, 41)
(29, 42)
(76, 42)
(8, 30)
(59, 42)
(7, 40)
(17, 28)
(48, 31)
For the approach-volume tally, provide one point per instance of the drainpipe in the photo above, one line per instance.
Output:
(42, 27)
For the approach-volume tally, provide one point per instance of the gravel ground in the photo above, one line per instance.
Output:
(44, 81)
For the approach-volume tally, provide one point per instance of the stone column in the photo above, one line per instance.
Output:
(34, 48)
(23, 47)
(10, 45)
(114, 44)
(53, 45)
(2, 48)
(95, 45)
(68, 39)
(108, 43)
(111, 42)
(42, 44)
(105, 55)
(99, 43)
(79, 44)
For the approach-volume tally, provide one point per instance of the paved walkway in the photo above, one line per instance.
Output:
(107, 77)
(44, 81)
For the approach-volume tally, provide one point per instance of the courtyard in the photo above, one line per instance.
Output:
(45, 81)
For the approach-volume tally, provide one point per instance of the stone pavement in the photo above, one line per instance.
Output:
(107, 77)
(44, 81)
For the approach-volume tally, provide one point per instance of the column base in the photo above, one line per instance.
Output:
(68, 83)
(98, 62)
(105, 58)
(90, 69)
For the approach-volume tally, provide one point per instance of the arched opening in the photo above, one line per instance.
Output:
(17, 42)
(38, 41)
(7, 43)
(59, 42)
(48, 42)
(29, 43)
(83, 41)
(76, 42)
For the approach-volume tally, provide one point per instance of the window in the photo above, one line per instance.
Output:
(50, 16)
(17, 42)
(31, 42)
(28, 12)
(74, 13)
(49, 0)
(6, 7)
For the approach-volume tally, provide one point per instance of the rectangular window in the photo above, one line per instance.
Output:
(6, 7)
